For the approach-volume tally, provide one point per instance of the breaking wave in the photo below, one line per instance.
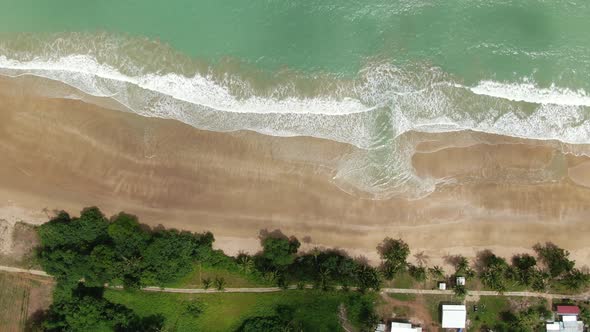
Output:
(371, 111)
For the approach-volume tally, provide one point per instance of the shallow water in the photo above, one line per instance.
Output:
(364, 73)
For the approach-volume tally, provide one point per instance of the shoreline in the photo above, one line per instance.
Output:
(65, 154)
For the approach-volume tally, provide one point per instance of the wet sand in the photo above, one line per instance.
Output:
(66, 154)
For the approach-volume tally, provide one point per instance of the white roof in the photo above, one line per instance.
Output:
(442, 285)
(571, 326)
(569, 318)
(576, 326)
(454, 316)
(461, 281)
(380, 328)
(404, 327)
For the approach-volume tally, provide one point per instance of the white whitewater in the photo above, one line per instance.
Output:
(383, 103)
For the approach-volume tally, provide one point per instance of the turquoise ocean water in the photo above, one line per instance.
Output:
(358, 72)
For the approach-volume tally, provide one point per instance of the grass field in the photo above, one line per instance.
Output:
(20, 296)
(232, 278)
(488, 313)
(490, 309)
(402, 280)
(433, 305)
(226, 311)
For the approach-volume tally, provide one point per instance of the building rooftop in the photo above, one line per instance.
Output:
(404, 327)
(568, 310)
(380, 328)
(454, 316)
(460, 281)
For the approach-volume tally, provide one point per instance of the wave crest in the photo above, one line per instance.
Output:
(372, 111)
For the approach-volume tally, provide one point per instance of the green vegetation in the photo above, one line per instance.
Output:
(117, 251)
(495, 313)
(85, 309)
(488, 313)
(328, 268)
(121, 251)
(234, 278)
(434, 302)
(394, 254)
(436, 272)
(494, 271)
(313, 310)
(417, 272)
(402, 280)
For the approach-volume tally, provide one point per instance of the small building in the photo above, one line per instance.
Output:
(404, 327)
(380, 327)
(442, 285)
(454, 316)
(567, 320)
(460, 281)
(568, 310)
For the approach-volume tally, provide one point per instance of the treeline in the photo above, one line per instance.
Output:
(550, 270)
(118, 251)
(87, 252)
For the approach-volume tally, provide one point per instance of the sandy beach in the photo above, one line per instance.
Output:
(67, 154)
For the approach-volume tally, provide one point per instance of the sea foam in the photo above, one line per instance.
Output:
(372, 112)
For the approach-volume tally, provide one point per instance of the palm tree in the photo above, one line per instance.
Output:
(206, 283)
(460, 291)
(437, 272)
(219, 283)
(462, 264)
(245, 262)
(324, 279)
(271, 276)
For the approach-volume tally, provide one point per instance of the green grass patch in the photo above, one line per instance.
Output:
(557, 287)
(233, 279)
(401, 280)
(434, 303)
(226, 311)
(488, 313)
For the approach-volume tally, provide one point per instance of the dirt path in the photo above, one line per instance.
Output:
(18, 270)
(549, 296)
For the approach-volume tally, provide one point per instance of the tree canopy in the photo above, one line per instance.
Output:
(394, 254)
(556, 259)
(279, 251)
(85, 309)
